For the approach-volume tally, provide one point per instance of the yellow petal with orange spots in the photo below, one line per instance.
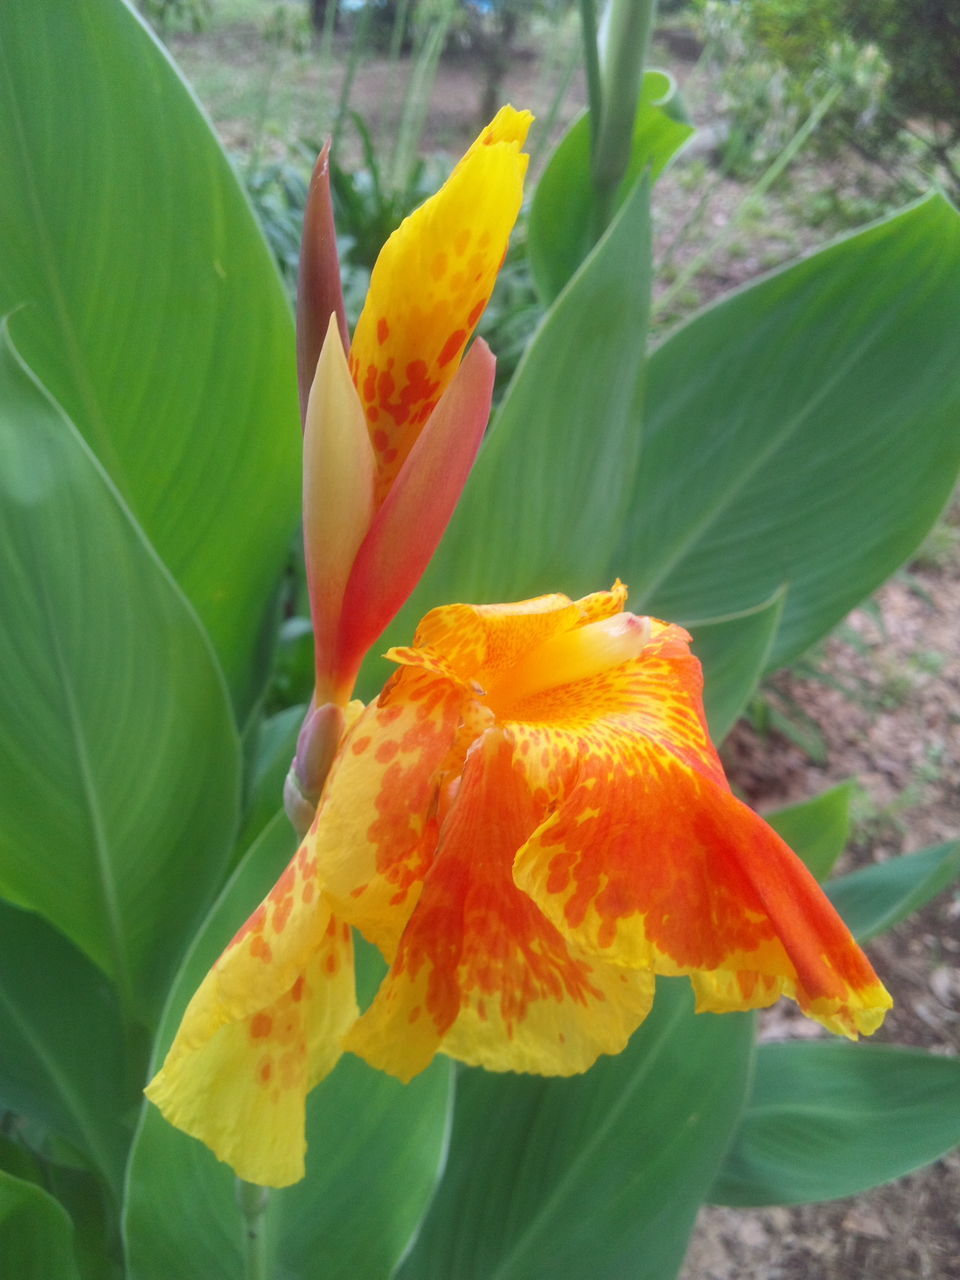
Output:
(480, 972)
(650, 864)
(264, 1027)
(375, 830)
(430, 286)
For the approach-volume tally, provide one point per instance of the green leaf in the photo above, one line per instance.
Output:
(817, 830)
(36, 1235)
(598, 1175)
(374, 1150)
(803, 431)
(148, 303)
(547, 496)
(62, 1062)
(876, 898)
(734, 653)
(276, 743)
(18, 1161)
(563, 219)
(117, 747)
(828, 1119)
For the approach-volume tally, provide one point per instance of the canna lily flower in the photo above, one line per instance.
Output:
(531, 823)
(392, 430)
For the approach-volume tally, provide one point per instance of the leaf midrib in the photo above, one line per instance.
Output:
(101, 846)
(572, 1172)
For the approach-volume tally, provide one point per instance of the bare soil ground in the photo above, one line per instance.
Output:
(896, 729)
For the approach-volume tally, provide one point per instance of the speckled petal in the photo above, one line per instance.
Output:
(480, 973)
(430, 286)
(263, 1028)
(650, 864)
(478, 643)
(375, 831)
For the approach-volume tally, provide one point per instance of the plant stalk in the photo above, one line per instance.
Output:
(624, 38)
(253, 1200)
(591, 62)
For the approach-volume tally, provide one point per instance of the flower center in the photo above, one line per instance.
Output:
(575, 655)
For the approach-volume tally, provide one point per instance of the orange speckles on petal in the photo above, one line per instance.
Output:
(253, 925)
(296, 991)
(308, 893)
(452, 347)
(260, 949)
(359, 745)
(476, 312)
(281, 915)
(386, 751)
(416, 301)
(261, 1024)
(488, 970)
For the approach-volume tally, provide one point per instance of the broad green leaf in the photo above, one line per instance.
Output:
(563, 220)
(117, 747)
(270, 763)
(876, 898)
(734, 653)
(804, 430)
(18, 1161)
(598, 1175)
(36, 1235)
(547, 496)
(62, 1060)
(828, 1119)
(148, 303)
(816, 830)
(374, 1151)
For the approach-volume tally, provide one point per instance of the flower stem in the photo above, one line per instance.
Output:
(626, 34)
(253, 1206)
(591, 62)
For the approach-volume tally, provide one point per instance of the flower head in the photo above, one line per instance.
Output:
(392, 427)
(530, 822)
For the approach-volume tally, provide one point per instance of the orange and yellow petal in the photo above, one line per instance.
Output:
(375, 831)
(478, 644)
(264, 1027)
(480, 973)
(649, 864)
(430, 286)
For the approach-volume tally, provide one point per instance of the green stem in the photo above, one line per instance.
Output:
(762, 185)
(252, 1200)
(626, 35)
(591, 62)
